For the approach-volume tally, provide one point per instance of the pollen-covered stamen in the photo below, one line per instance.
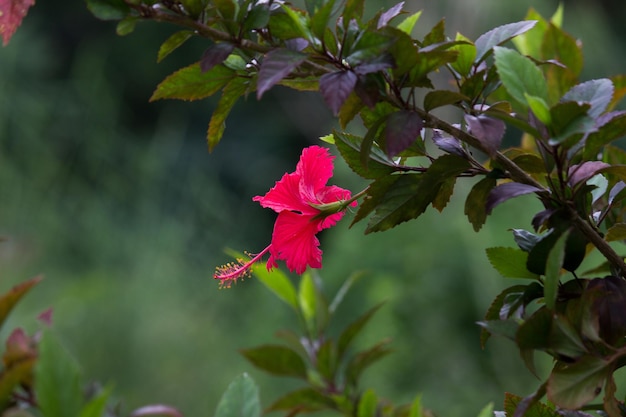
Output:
(240, 269)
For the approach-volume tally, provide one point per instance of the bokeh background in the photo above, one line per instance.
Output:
(117, 202)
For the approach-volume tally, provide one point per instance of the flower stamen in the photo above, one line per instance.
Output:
(239, 269)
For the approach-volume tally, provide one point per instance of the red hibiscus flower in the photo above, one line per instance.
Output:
(305, 206)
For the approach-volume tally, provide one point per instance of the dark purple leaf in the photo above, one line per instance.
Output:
(378, 64)
(582, 172)
(487, 130)
(367, 90)
(448, 144)
(499, 35)
(541, 218)
(336, 87)
(389, 14)
(615, 191)
(403, 128)
(215, 55)
(507, 191)
(276, 65)
(296, 44)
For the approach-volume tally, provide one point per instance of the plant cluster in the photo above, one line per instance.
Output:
(374, 73)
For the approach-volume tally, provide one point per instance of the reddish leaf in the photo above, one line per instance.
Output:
(9, 299)
(276, 65)
(507, 191)
(336, 87)
(215, 55)
(487, 130)
(582, 172)
(12, 12)
(403, 128)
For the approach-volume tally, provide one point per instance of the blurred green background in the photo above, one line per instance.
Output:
(117, 202)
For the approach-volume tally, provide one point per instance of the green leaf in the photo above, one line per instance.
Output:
(616, 232)
(277, 282)
(232, 91)
(402, 129)
(439, 98)
(520, 76)
(300, 23)
(190, 83)
(495, 311)
(436, 35)
(611, 127)
(353, 9)
(173, 42)
(126, 26)
(368, 46)
(307, 297)
(416, 408)
(364, 360)
(353, 329)
(96, 407)
(257, 17)
(241, 399)
(510, 262)
(513, 402)
(9, 299)
(368, 404)
(277, 360)
(497, 36)
(476, 202)
(572, 386)
(321, 17)
(409, 22)
(569, 122)
(341, 293)
(466, 55)
(276, 65)
(409, 196)
(57, 379)
(108, 9)
(540, 109)
(553, 270)
(303, 400)
(326, 363)
(487, 411)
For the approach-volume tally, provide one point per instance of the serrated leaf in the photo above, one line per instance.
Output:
(510, 262)
(571, 386)
(9, 299)
(190, 83)
(476, 202)
(439, 98)
(276, 65)
(376, 194)
(513, 403)
(402, 129)
(277, 360)
(350, 148)
(520, 75)
(232, 92)
(57, 379)
(353, 329)
(506, 191)
(305, 400)
(336, 87)
(215, 55)
(466, 56)
(410, 195)
(277, 282)
(598, 93)
(241, 399)
(497, 36)
(172, 43)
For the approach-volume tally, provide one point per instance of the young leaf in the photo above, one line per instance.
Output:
(241, 399)
(277, 360)
(190, 83)
(498, 36)
(467, 55)
(571, 386)
(57, 379)
(276, 65)
(96, 406)
(402, 129)
(9, 299)
(368, 404)
(520, 75)
(539, 108)
(386, 17)
(510, 262)
(553, 270)
(231, 93)
(215, 55)
(277, 282)
(409, 22)
(476, 202)
(506, 191)
(307, 297)
(320, 18)
(173, 42)
(336, 87)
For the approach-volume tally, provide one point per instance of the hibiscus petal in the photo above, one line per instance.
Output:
(294, 242)
(315, 169)
(285, 195)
